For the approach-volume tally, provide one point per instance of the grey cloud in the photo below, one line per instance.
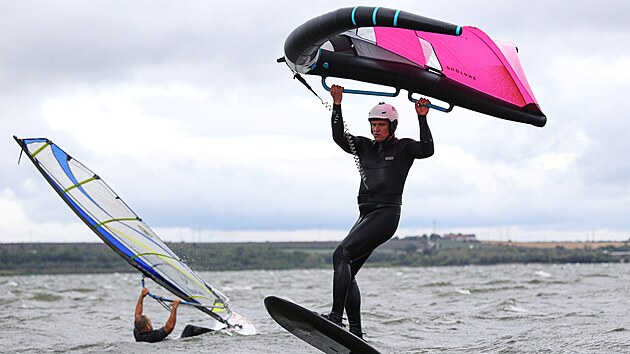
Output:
(228, 51)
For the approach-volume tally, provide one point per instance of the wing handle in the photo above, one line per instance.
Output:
(439, 108)
(364, 92)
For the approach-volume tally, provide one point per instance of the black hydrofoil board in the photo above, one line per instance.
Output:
(314, 329)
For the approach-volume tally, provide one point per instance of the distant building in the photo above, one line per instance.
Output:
(460, 237)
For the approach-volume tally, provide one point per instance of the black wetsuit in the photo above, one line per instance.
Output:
(386, 166)
(160, 334)
(151, 337)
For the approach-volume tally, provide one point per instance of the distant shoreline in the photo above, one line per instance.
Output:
(565, 244)
(533, 244)
(97, 257)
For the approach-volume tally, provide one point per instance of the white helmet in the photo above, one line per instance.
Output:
(383, 111)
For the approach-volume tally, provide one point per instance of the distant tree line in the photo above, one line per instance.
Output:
(55, 258)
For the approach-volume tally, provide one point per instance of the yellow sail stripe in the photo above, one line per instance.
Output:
(113, 220)
(151, 251)
(78, 184)
(153, 254)
(164, 257)
(41, 148)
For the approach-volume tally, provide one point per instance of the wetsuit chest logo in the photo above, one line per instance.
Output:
(389, 158)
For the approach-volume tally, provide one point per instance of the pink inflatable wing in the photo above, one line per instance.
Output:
(474, 60)
(458, 65)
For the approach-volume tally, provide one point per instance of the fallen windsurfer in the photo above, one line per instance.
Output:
(143, 328)
(384, 163)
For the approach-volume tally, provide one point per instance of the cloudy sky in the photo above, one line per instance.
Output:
(181, 108)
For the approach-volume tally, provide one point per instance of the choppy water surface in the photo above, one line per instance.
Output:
(477, 309)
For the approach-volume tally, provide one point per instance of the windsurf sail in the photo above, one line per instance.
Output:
(459, 65)
(105, 213)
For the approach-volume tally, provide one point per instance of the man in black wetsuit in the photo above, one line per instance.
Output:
(143, 328)
(385, 162)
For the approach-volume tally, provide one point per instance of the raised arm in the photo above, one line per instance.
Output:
(336, 120)
(172, 319)
(423, 148)
(138, 313)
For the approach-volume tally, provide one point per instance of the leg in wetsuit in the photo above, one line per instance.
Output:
(377, 223)
(191, 331)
